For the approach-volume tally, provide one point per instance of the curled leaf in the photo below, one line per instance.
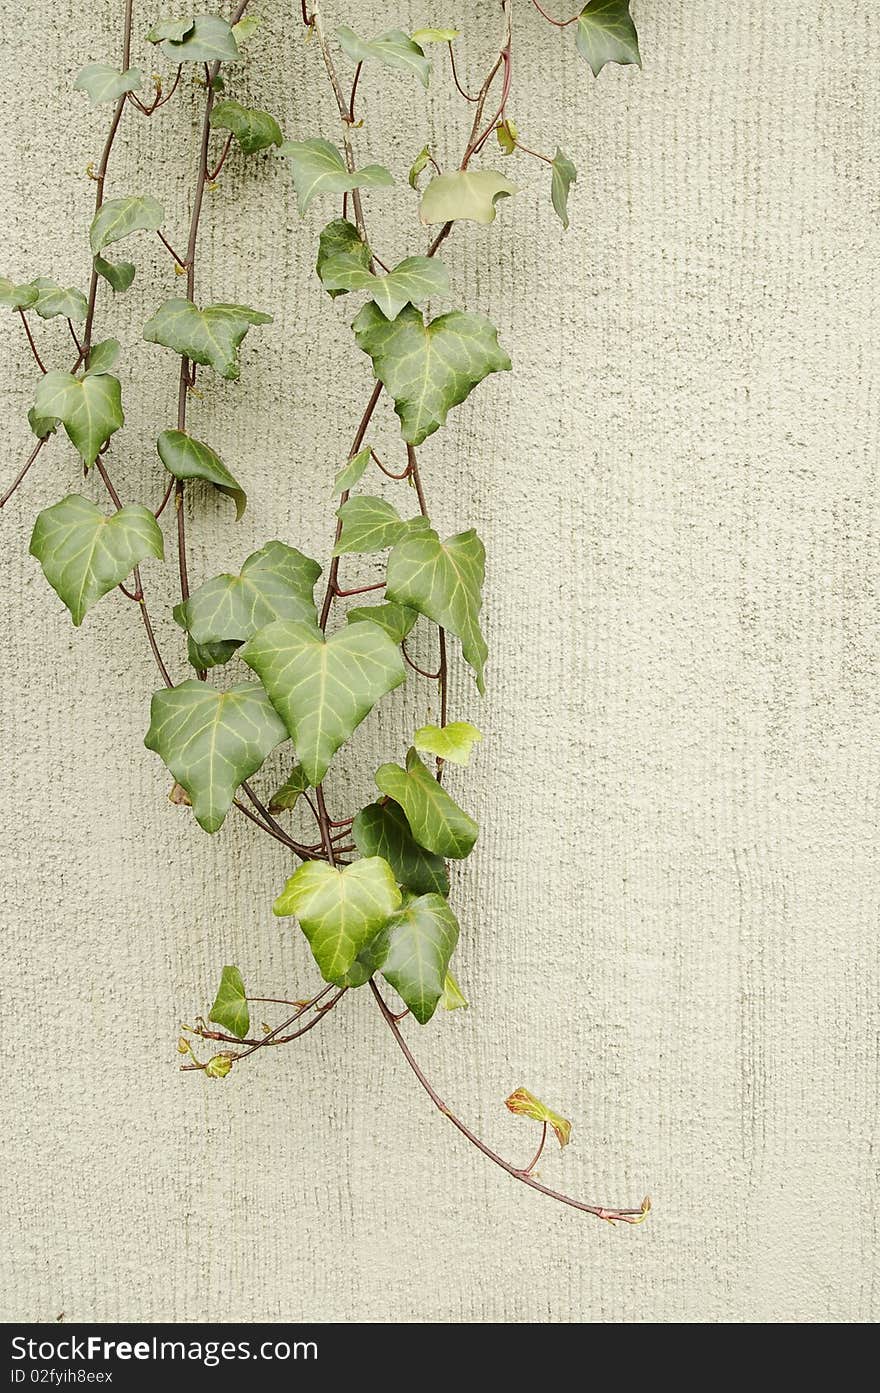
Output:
(525, 1104)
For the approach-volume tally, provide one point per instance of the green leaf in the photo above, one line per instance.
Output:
(210, 336)
(396, 620)
(428, 368)
(52, 300)
(413, 281)
(42, 426)
(287, 795)
(89, 408)
(413, 950)
(507, 135)
(464, 195)
(341, 238)
(394, 49)
(606, 34)
(352, 471)
(104, 83)
(102, 357)
(230, 1009)
(186, 458)
(175, 29)
(120, 217)
(17, 297)
(563, 176)
(435, 36)
(118, 274)
(318, 168)
(453, 998)
(219, 1065)
(435, 819)
(204, 655)
(371, 524)
(212, 741)
(254, 130)
(381, 829)
(207, 39)
(525, 1104)
(84, 553)
(418, 165)
(243, 30)
(275, 582)
(453, 742)
(339, 911)
(443, 581)
(323, 688)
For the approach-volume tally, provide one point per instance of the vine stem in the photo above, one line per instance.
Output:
(559, 23)
(346, 115)
(30, 338)
(22, 472)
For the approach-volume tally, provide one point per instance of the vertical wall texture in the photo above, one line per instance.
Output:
(670, 923)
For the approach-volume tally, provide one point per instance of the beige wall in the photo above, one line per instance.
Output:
(670, 923)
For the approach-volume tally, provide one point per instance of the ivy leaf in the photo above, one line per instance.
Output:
(118, 274)
(453, 998)
(396, 620)
(428, 368)
(212, 741)
(507, 133)
(443, 581)
(243, 30)
(372, 524)
(563, 176)
(323, 688)
(435, 819)
(104, 83)
(464, 195)
(89, 408)
(186, 458)
(318, 167)
(393, 48)
(381, 829)
(207, 39)
(275, 582)
(84, 553)
(413, 950)
(606, 34)
(339, 911)
(525, 1104)
(453, 742)
(254, 130)
(352, 471)
(102, 357)
(230, 1009)
(120, 217)
(17, 297)
(418, 166)
(413, 281)
(211, 336)
(52, 300)
(204, 655)
(435, 36)
(287, 795)
(42, 426)
(341, 238)
(175, 29)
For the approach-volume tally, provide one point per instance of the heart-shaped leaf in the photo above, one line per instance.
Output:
(323, 688)
(413, 281)
(436, 821)
(340, 911)
(464, 195)
(562, 177)
(104, 83)
(413, 950)
(230, 1009)
(210, 336)
(17, 297)
(53, 300)
(89, 408)
(118, 274)
(84, 553)
(102, 357)
(396, 620)
(453, 742)
(393, 48)
(341, 238)
(606, 34)
(120, 217)
(372, 524)
(381, 829)
(207, 39)
(525, 1104)
(254, 130)
(212, 741)
(443, 580)
(186, 458)
(318, 167)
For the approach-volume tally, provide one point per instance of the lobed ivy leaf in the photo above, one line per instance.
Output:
(211, 336)
(175, 29)
(341, 238)
(84, 553)
(339, 911)
(453, 742)
(254, 130)
(562, 177)
(428, 368)
(118, 274)
(323, 688)
(381, 829)
(372, 524)
(186, 458)
(286, 796)
(525, 1104)
(352, 471)
(435, 819)
(89, 408)
(318, 168)
(104, 83)
(53, 300)
(102, 357)
(230, 1009)
(606, 34)
(396, 620)
(464, 195)
(443, 581)
(453, 998)
(212, 741)
(412, 281)
(435, 36)
(17, 297)
(412, 952)
(206, 39)
(393, 48)
(120, 217)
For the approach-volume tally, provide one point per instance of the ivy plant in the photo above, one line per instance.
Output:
(272, 665)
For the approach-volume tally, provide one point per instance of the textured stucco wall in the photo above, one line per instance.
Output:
(670, 923)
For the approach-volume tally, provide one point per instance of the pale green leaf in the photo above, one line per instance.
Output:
(186, 458)
(396, 620)
(318, 168)
(413, 281)
(394, 49)
(245, 27)
(254, 130)
(464, 195)
(120, 217)
(206, 39)
(118, 274)
(453, 998)
(412, 952)
(53, 300)
(212, 741)
(17, 297)
(287, 795)
(84, 553)
(219, 1066)
(443, 581)
(341, 238)
(525, 1104)
(323, 688)
(381, 829)
(507, 135)
(211, 336)
(372, 524)
(606, 34)
(563, 176)
(102, 357)
(435, 36)
(340, 911)
(104, 83)
(418, 165)
(352, 471)
(89, 408)
(230, 1009)
(435, 819)
(428, 368)
(453, 742)
(175, 29)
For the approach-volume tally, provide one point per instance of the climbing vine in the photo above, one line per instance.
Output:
(272, 662)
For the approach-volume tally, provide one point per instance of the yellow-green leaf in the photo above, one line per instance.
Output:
(525, 1104)
(453, 998)
(435, 819)
(453, 742)
(468, 195)
(230, 1009)
(340, 910)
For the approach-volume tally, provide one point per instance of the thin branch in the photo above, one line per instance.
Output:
(527, 1170)
(227, 146)
(165, 497)
(22, 472)
(359, 589)
(30, 338)
(75, 337)
(432, 676)
(559, 23)
(467, 96)
(404, 473)
(168, 247)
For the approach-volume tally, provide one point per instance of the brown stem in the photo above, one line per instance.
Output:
(527, 1170)
(273, 1034)
(344, 109)
(227, 146)
(559, 23)
(467, 96)
(355, 447)
(168, 247)
(30, 338)
(22, 472)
